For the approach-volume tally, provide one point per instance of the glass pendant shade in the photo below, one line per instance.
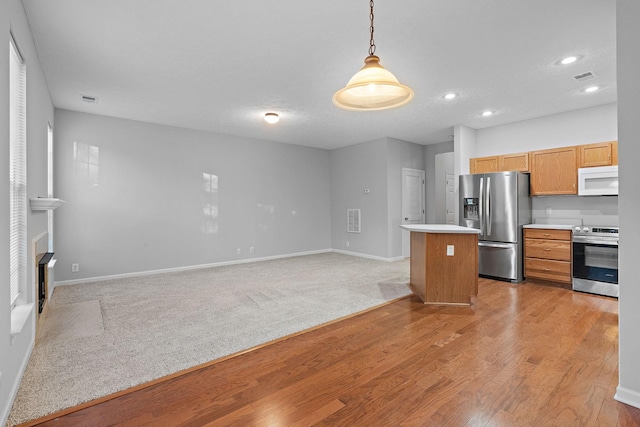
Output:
(372, 88)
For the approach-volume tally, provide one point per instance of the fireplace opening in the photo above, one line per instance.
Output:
(43, 272)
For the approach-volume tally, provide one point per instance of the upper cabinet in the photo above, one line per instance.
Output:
(554, 171)
(483, 164)
(514, 162)
(508, 162)
(598, 154)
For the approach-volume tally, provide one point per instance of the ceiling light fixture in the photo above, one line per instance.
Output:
(373, 87)
(450, 96)
(592, 89)
(271, 118)
(569, 60)
(487, 113)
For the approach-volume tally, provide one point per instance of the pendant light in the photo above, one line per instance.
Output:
(373, 87)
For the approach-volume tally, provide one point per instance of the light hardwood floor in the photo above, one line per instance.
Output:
(522, 355)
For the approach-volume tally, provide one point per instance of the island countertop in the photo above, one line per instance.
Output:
(439, 228)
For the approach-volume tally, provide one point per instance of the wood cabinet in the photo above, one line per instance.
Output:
(614, 153)
(483, 164)
(598, 154)
(514, 162)
(554, 171)
(503, 163)
(547, 255)
(444, 267)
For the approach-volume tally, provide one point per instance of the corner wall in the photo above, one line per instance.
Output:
(14, 352)
(375, 166)
(400, 155)
(353, 170)
(628, 34)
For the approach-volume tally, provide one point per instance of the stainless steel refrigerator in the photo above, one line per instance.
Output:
(498, 204)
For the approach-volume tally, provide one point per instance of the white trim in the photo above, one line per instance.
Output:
(361, 255)
(19, 316)
(187, 268)
(627, 396)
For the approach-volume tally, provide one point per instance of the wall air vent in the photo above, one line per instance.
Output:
(589, 75)
(353, 220)
(90, 99)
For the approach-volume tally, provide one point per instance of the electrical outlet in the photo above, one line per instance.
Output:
(75, 267)
(238, 251)
(347, 244)
(450, 250)
(251, 250)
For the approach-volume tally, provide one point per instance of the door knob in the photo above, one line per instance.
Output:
(406, 218)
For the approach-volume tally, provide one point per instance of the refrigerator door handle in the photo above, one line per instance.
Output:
(496, 245)
(480, 205)
(488, 206)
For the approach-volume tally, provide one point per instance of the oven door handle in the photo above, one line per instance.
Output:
(594, 241)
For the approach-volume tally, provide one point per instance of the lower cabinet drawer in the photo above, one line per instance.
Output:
(556, 271)
(548, 249)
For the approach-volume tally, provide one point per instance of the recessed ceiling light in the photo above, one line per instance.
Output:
(569, 60)
(592, 89)
(450, 95)
(271, 118)
(487, 113)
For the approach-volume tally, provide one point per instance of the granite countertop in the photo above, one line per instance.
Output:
(440, 228)
(550, 226)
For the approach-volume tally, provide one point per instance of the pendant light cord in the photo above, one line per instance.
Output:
(372, 45)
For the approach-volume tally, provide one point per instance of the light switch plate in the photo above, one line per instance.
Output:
(449, 250)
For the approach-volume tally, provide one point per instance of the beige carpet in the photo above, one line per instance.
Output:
(103, 337)
(70, 321)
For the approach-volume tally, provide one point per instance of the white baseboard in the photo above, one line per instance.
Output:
(190, 267)
(627, 396)
(361, 255)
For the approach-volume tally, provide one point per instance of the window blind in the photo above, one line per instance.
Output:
(17, 172)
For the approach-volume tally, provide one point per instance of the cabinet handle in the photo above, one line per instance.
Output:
(547, 249)
(546, 234)
(546, 269)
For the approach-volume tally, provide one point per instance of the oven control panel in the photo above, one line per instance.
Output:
(596, 231)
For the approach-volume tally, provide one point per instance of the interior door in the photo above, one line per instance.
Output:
(412, 204)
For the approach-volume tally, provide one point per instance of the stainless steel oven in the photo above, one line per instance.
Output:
(595, 260)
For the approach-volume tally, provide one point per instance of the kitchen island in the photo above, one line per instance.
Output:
(444, 263)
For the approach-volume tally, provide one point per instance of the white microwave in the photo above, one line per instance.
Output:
(598, 181)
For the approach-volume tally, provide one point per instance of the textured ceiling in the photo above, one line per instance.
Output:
(219, 66)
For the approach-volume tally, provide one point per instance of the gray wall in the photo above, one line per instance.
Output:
(15, 352)
(576, 127)
(400, 154)
(149, 208)
(628, 34)
(354, 169)
(376, 166)
(430, 164)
